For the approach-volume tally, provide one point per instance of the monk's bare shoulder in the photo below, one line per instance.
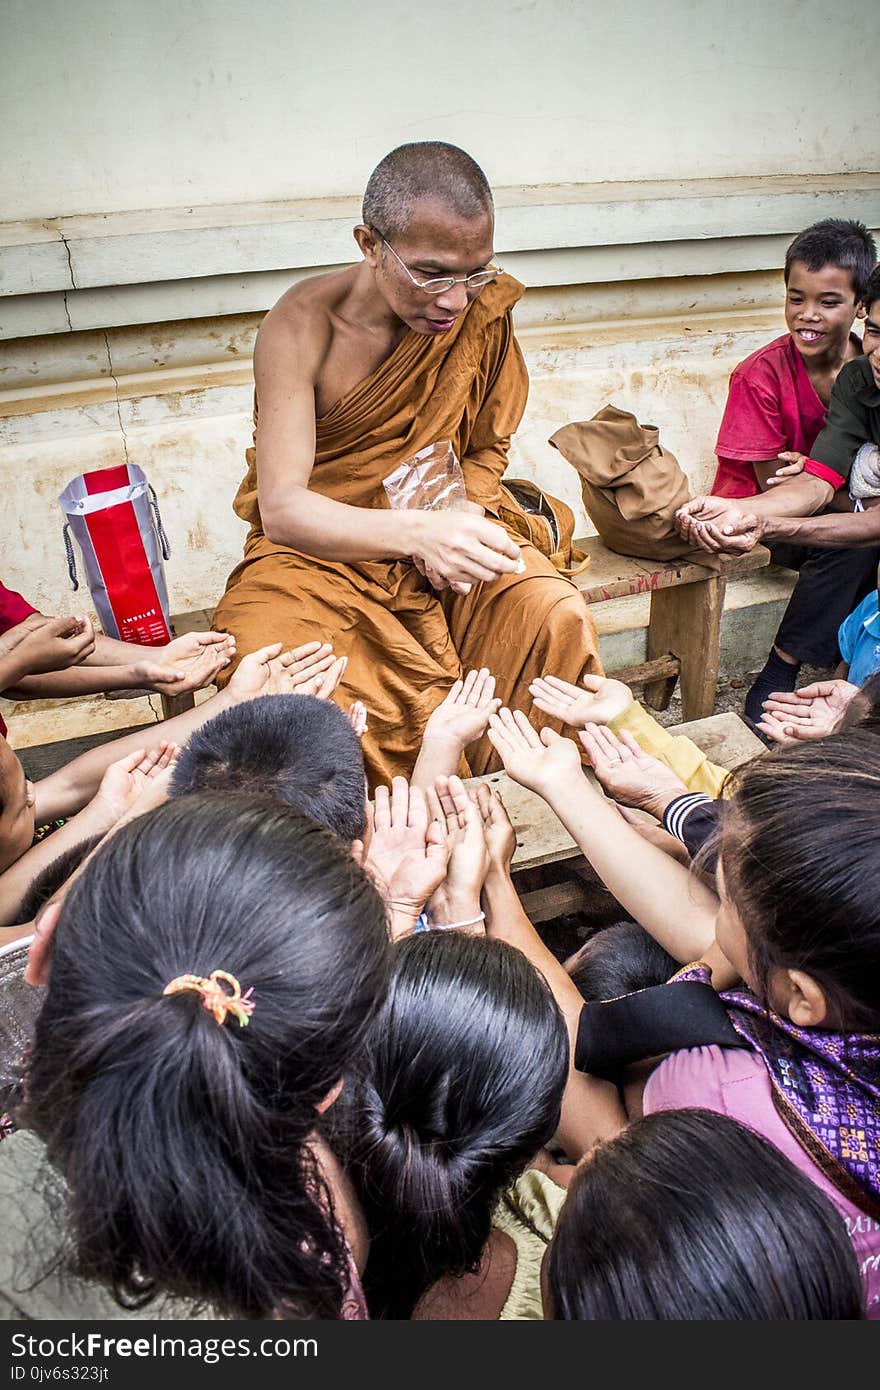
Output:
(296, 335)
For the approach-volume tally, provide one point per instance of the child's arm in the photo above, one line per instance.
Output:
(188, 663)
(42, 645)
(604, 700)
(264, 672)
(670, 902)
(121, 784)
(832, 531)
(591, 1109)
(460, 720)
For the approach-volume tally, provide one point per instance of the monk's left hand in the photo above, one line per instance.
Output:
(436, 581)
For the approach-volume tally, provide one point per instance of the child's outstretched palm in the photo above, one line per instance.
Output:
(812, 712)
(627, 774)
(464, 714)
(457, 899)
(600, 701)
(499, 834)
(534, 760)
(408, 853)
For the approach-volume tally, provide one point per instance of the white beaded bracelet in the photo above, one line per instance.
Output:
(452, 926)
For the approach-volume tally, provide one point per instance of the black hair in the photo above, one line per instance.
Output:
(184, 1141)
(617, 960)
(863, 710)
(47, 882)
(808, 899)
(872, 290)
(292, 748)
(423, 169)
(833, 241)
(460, 1085)
(689, 1215)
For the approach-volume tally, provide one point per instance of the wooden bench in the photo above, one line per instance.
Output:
(684, 630)
(542, 839)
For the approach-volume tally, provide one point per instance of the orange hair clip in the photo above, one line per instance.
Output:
(217, 1000)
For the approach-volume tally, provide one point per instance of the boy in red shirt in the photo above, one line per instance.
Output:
(775, 409)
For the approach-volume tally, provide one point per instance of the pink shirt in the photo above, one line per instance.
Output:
(772, 408)
(736, 1083)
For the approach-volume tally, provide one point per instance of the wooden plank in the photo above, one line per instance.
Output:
(199, 620)
(543, 904)
(724, 738)
(687, 622)
(610, 575)
(658, 678)
(541, 838)
(662, 668)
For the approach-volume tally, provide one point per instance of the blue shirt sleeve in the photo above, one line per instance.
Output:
(848, 634)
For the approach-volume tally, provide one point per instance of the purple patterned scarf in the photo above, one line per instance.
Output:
(826, 1087)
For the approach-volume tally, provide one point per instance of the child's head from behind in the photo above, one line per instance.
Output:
(800, 878)
(826, 273)
(183, 1138)
(460, 1085)
(687, 1214)
(617, 960)
(16, 808)
(291, 748)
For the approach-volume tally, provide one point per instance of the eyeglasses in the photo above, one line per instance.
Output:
(444, 282)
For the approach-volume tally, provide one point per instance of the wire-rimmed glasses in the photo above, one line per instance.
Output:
(444, 282)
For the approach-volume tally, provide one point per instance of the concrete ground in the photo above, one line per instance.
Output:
(732, 693)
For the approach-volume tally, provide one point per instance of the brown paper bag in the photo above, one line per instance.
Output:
(631, 486)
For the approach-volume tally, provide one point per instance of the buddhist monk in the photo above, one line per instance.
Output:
(355, 372)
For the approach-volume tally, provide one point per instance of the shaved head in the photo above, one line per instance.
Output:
(424, 169)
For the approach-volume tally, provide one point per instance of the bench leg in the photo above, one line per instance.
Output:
(176, 704)
(686, 621)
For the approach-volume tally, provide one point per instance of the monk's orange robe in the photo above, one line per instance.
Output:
(405, 643)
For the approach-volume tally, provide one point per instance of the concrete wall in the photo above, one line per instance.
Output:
(117, 104)
(168, 169)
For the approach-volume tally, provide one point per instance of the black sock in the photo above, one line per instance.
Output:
(776, 675)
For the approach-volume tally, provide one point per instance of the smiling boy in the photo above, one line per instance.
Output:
(778, 396)
(776, 406)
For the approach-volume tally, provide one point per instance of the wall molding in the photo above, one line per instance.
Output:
(77, 273)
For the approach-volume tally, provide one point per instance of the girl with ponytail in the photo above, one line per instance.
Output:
(459, 1087)
(214, 970)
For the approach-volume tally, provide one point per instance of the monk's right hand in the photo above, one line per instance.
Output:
(463, 548)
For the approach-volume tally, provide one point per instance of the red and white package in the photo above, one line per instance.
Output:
(113, 516)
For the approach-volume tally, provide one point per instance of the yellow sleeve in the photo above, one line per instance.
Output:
(677, 751)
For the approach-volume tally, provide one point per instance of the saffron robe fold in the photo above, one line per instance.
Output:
(405, 643)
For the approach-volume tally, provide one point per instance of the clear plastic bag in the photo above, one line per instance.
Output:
(430, 480)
